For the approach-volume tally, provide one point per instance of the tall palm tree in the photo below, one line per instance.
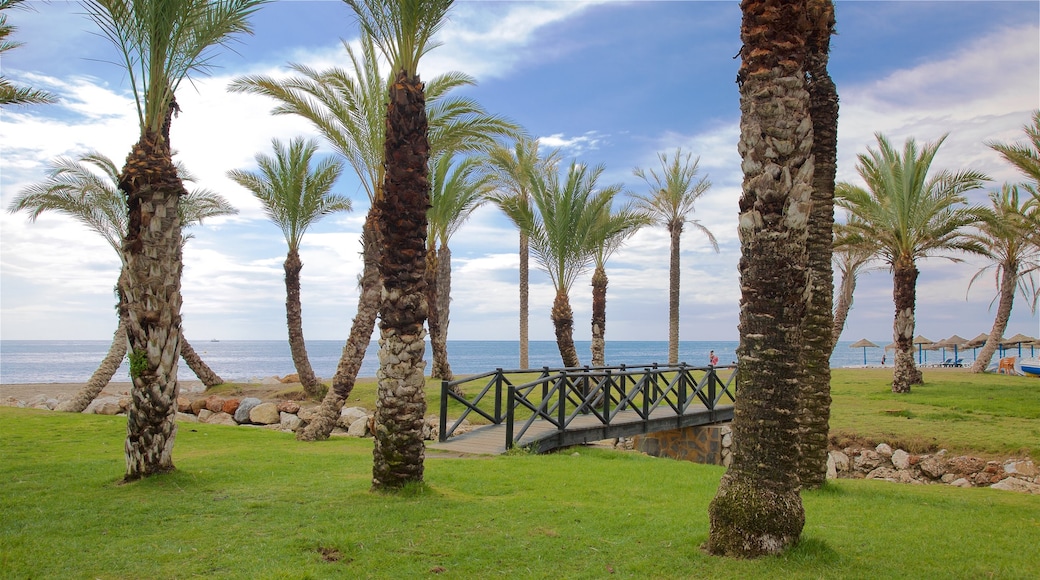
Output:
(348, 108)
(9, 93)
(561, 220)
(909, 216)
(814, 409)
(1024, 157)
(161, 43)
(456, 190)
(84, 188)
(1005, 232)
(295, 197)
(671, 199)
(403, 31)
(850, 259)
(509, 169)
(610, 232)
(757, 509)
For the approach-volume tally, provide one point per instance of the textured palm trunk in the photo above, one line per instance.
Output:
(294, 319)
(439, 348)
(152, 287)
(101, 377)
(399, 449)
(815, 389)
(757, 509)
(674, 233)
(842, 306)
(444, 307)
(353, 355)
(563, 322)
(525, 292)
(904, 293)
(1006, 301)
(599, 316)
(199, 366)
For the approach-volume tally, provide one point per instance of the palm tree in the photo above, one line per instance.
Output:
(814, 409)
(456, 190)
(1005, 234)
(610, 232)
(348, 108)
(757, 509)
(909, 216)
(670, 202)
(9, 93)
(403, 32)
(509, 170)
(1024, 157)
(295, 196)
(561, 221)
(161, 42)
(850, 259)
(84, 188)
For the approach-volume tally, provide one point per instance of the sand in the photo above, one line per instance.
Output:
(24, 392)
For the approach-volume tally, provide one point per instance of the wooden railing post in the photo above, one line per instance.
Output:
(712, 379)
(510, 416)
(498, 395)
(442, 435)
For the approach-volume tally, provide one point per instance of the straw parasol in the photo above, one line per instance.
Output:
(864, 344)
(954, 341)
(1018, 340)
(975, 343)
(921, 341)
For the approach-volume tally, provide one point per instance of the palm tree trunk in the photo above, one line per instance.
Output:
(674, 233)
(1007, 299)
(444, 306)
(757, 509)
(152, 287)
(199, 366)
(815, 389)
(401, 222)
(101, 377)
(353, 355)
(440, 368)
(563, 322)
(525, 292)
(842, 306)
(599, 316)
(294, 318)
(904, 293)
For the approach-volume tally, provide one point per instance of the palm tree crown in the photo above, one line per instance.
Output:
(9, 93)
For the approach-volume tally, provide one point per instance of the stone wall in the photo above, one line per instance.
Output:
(702, 444)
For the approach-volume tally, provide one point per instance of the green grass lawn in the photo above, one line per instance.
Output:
(253, 503)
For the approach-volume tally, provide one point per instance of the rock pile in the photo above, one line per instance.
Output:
(897, 465)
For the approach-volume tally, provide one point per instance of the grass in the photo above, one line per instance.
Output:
(253, 503)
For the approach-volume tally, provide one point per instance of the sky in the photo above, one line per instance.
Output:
(608, 82)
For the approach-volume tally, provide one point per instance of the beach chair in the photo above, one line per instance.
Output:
(958, 363)
(1006, 366)
(947, 363)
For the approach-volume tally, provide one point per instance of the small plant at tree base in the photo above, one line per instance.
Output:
(138, 362)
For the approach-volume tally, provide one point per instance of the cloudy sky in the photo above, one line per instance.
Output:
(607, 82)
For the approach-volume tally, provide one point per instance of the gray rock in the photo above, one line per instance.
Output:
(960, 482)
(884, 450)
(841, 460)
(933, 466)
(264, 414)
(832, 469)
(204, 415)
(244, 407)
(97, 404)
(901, 459)
(187, 418)
(349, 415)
(221, 419)
(108, 409)
(1016, 484)
(867, 460)
(1021, 467)
(359, 428)
(289, 421)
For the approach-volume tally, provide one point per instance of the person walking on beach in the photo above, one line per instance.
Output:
(713, 359)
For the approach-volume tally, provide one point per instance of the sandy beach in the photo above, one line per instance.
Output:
(61, 391)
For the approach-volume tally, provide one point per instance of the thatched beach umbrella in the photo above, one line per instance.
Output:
(975, 343)
(921, 341)
(954, 341)
(1019, 339)
(864, 344)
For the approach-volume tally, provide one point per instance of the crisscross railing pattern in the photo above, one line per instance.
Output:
(559, 397)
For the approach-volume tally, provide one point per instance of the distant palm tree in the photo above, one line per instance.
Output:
(1024, 157)
(758, 510)
(9, 93)
(348, 108)
(1005, 232)
(403, 31)
(610, 232)
(161, 42)
(670, 201)
(510, 169)
(295, 196)
(561, 218)
(84, 188)
(456, 190)
(909, 216)
(850, 259)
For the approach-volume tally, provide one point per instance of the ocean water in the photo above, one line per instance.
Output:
(73, 361)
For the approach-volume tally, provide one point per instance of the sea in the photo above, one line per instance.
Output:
(73, 361)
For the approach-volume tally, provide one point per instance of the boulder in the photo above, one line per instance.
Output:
(183, 405)
(964, 465)
(215, 403)
(1021, 467)
(264, 414)
(293, 378)
(900, 459)
(1016, 484)
(289, 421)
(108, 409)
(244, 407)
(186, 418)
(884, 450)
(230, 406)
(204, 415)
(359, 428)
(841, 460)
(270, 381)
(960, 482)
(867, 460)
(933, 466)
(107, 401)
(221, 418)
(350, 414)
(291, 407)
(198, 405)
(832, 469)
(307, 415)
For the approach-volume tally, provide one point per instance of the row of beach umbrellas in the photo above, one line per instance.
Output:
(956, 343)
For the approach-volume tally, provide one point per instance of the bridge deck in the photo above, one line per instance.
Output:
(491, 439)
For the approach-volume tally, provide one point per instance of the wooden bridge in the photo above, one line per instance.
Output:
(548, 408)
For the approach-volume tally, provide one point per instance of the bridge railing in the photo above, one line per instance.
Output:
(561, 395)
